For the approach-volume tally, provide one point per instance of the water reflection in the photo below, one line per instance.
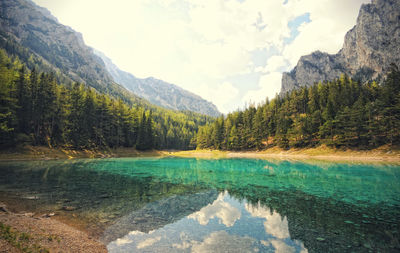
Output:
(225, 225)
(157, 214)
(225, 212)
(176, 204)
(274, 223)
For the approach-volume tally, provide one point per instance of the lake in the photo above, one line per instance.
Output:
(215, 205)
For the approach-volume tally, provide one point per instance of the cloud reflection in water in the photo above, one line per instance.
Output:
(225, 212)
(226, 225)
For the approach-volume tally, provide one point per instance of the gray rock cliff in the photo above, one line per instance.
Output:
(368, 50)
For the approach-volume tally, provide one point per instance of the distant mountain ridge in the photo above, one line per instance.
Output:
(159, 92)
(368, 50)
(36, 29)
(27, 30)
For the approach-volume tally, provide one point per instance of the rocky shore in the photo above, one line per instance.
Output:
(29, 232)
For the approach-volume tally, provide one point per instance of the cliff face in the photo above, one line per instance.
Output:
(35, 28)
(368, 50)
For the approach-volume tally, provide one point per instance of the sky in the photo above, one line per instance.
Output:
(230, 52)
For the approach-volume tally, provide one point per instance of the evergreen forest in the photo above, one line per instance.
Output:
(35, 109)
(339, 113)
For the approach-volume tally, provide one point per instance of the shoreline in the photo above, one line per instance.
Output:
(46, 153)
(322, 153)
(30, 232)
(65, 234)
(381, 154)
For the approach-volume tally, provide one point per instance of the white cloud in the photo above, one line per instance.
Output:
(269, 85)
(330, 20)
(148, 242)
(221, 241)
(220, 94)
(277, 226)
(122, 241)
(190, 43)
(274, 224)
(275, 63)
(226, 213)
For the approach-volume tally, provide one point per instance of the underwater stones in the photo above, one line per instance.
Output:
(31, 197)
(48, 215)
(69, 208)
(3, 208)
(104, 220)
(158, 214)
(29, 214)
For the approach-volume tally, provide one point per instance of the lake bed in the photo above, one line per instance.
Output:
(186, 204)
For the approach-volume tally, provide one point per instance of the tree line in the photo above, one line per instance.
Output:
(35, 109)
(340, 113)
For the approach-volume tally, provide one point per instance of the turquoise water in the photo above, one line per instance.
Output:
(218, 205)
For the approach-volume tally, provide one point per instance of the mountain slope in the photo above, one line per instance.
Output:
(60, 49)
(27, 29)
(368, 50)
(159, 92)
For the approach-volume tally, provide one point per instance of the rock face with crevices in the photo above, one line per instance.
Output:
(368, 50)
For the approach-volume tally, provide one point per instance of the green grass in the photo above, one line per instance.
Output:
(20, 240)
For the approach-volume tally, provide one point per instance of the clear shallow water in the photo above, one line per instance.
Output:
(226, 205)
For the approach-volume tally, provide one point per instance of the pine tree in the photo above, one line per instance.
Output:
(149, 132)
(142, 133)
(8, 102)
(24, 101)
(391, 105)
(76, 131)
(259, 126)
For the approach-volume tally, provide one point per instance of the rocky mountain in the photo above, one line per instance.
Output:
(36, 29)
(159, 92)
(28, 30)
(368, 50)
(31, 33)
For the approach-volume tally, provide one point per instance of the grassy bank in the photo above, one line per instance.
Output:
(382, 154)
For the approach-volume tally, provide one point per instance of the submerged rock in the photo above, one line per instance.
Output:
(48, 215)
(158, 214)
(3, 208)
(69, 208)
(31, 197)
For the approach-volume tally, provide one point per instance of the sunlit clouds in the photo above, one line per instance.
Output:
(226, 213)
(208, 46)
(277, 226)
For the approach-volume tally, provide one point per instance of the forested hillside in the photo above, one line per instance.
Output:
(32, 60)
(36, 109)
(340, 113)
(159, 92)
